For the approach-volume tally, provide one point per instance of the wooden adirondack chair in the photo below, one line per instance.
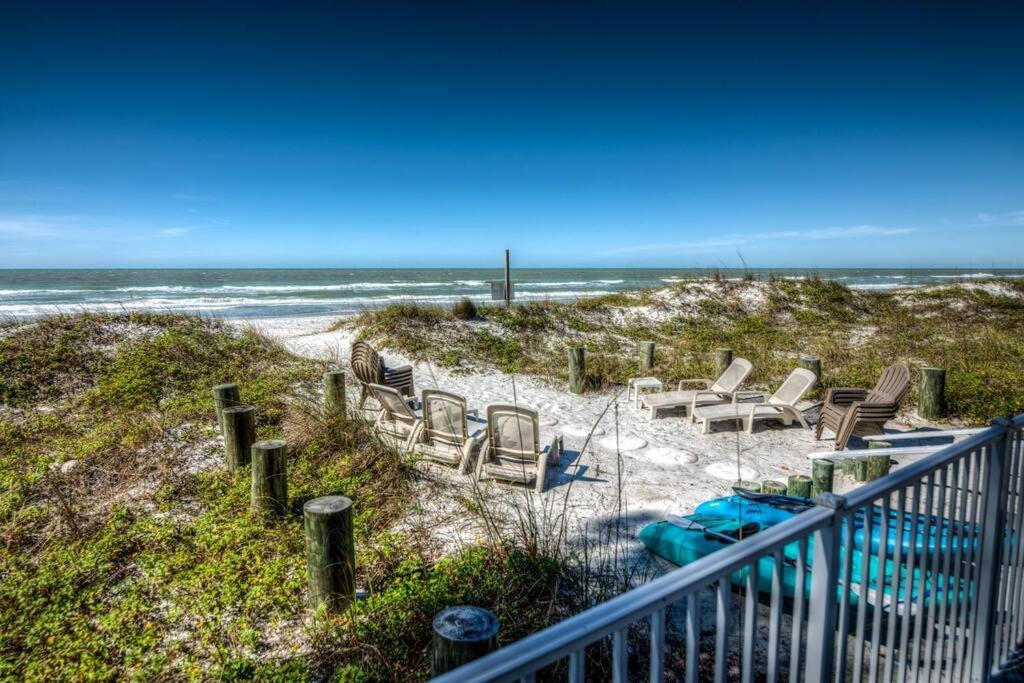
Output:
(368, 368)
(849, 411)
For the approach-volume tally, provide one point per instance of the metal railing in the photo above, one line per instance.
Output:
(918, 575)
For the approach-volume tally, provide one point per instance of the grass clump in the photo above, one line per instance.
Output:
(464, 309)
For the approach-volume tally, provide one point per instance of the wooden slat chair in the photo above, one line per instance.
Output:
(850, 411)
(396, 421)
(447, 436)
(368, 368)
(512, 451)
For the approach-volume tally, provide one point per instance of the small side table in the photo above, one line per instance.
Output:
(639, 384)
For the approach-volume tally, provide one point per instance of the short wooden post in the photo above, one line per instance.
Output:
(799, 485)
(269, 479)
(330, 552)
(723, 359)
(225, 395)
(931, 403)
(822, 474)
(812, 363)
(577, 369)
(772, 487)
(646, 356)
(239, 435)
(746, 485)
(462, 634)
(876, 466)
(334, 392)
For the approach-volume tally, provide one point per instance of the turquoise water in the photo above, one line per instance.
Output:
(254, 293)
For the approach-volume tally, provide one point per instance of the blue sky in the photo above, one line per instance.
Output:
(437, 134)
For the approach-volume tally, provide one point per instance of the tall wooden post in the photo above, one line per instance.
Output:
(508, 281)
(812, 363)
(931, 403)
(462, 634)
(269, 477)
(577, 369)
(646, 356)
(224, 395)
(239, 435)
(723, 359)
(334, 392)
(330, 552)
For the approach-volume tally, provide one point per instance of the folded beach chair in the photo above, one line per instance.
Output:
(850, 411)
(368, 368)
(779, 406)
(396, 421)
(721, 390)
(512, 451)
(450, 433)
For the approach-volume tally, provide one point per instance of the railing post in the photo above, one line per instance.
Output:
(821, 615)
(990, 564)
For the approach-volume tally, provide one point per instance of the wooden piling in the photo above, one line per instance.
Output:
(646, 356)
(462, 634)
(746, 485)
(772, 487)
(239, 435)
(334, 393)
(822, 474)
(330, 552)
(269, 478)
(812, 363)
(931, 402)
(577, 369)
(799, 485)
(876, 466)
(723, 359)
(225, 395)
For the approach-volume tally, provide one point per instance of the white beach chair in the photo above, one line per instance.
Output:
(450, 433)
(779, 406)
(512, 451)
(396, 421)
(721, 390)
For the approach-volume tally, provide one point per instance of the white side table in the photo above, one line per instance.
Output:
(639, 384)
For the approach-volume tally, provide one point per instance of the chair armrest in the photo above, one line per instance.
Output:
(750, 394)
(844, 396)
(705, 382)
(720, 394)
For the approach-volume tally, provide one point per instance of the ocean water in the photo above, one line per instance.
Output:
(266, 293)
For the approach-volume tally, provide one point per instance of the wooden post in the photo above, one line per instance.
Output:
(330, 552)
(931, 403)
(239, 435)
(876, 466)
(723, 359)
(646, 356)
(577, 369)
(746, 485)
(799, 485)
(822, 473)
(225, 395)
(462, 634)
(334, 392)
(812, 363)
(508, 281)
(269, 478)
(773, 487)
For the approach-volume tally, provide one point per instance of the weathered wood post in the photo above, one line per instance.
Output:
(646, 356)
(225, 395)
(334, 392)
(577, 369)
(877, 466)
(812, 363)
(239, 435)
(773, 487)
(269, 478)
(462, 634)
(931, 403)
(508, 281)
(330, 552)
(746, 485)
(723, 359)
(822, 473)
(799, 485)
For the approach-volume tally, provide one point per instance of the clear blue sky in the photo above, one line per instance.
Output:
(436, 134)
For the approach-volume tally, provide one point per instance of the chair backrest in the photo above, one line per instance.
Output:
(444, 415)
(892, 387)
(366, 364)
(734, 376)
(392, 403)
(513, 431)
(793, 389)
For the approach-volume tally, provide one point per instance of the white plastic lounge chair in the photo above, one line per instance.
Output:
(450, 433)
(779, 406)
(721, 390)
(512, 451)
(396, 421)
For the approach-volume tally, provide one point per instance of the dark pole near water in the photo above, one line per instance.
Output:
(508, 282)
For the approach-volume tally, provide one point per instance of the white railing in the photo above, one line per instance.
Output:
(918, 575)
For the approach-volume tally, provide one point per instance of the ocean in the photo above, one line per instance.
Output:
(263, 293)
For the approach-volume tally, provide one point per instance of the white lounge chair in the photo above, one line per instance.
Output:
(512, 451)
(721, 390)
(396, 421)
(450, 433)
(779, 406)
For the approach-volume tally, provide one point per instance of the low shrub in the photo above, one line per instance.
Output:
(464, 310)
